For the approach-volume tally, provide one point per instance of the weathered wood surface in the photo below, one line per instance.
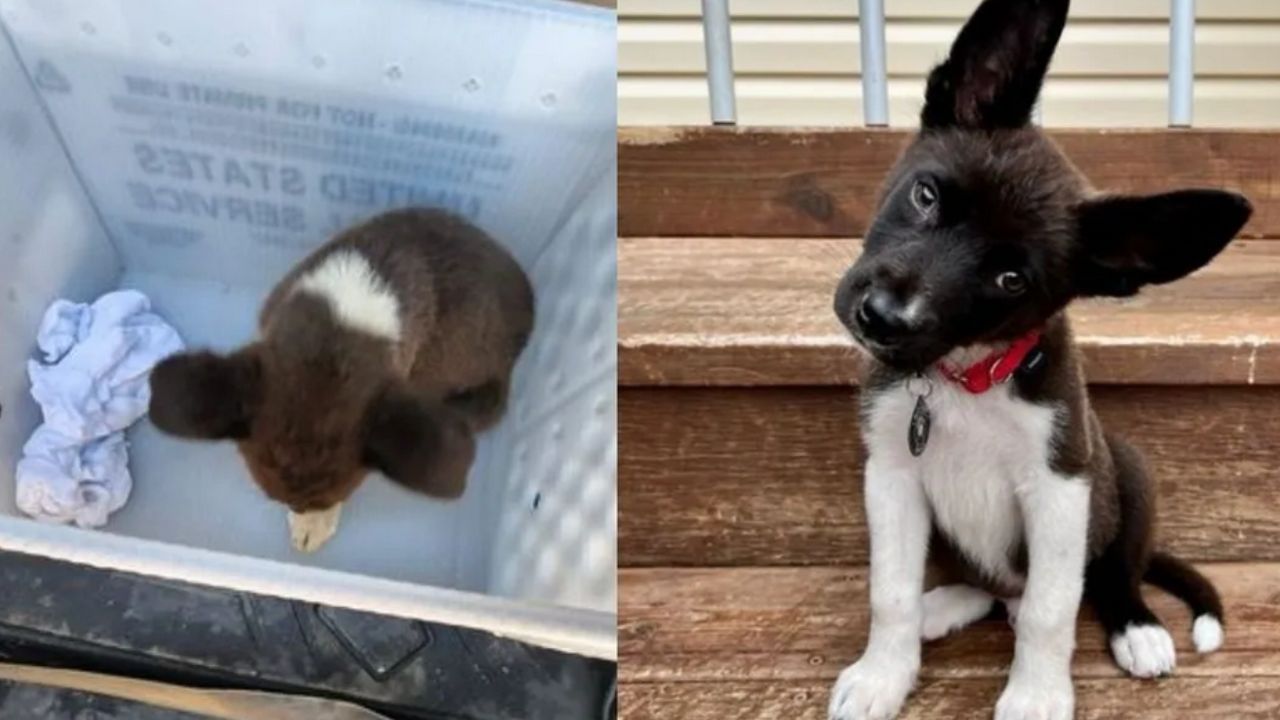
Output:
(788, 182)
(1219, 698)
(772, 476)
(740, 311)
(712, 624)
(758, 643)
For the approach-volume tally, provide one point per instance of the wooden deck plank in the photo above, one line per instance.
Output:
(772, 476)
(1221, 698)
(740, 311)
(785, 182)
(735, 624)
(764, 643)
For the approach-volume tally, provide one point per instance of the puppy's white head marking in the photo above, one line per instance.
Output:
(357, 295)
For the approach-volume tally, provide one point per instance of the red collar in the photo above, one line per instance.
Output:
(994, 368)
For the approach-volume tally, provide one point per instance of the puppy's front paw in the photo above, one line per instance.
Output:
(310, 530)
(1036, 698)
(1144, 651)
(871, 690)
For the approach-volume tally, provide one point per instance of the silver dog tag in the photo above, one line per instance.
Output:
(918, 431)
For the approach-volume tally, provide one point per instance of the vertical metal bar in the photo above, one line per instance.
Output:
(875, 83)
(719, 46)
(1182, 67)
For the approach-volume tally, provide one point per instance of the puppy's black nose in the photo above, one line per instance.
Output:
(881, 317)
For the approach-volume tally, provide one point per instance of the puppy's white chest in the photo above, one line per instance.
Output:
(982, 451)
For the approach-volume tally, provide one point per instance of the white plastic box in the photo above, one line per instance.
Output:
(195, 150)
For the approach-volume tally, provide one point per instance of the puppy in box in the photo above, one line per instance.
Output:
(386, 349)
(984, 454)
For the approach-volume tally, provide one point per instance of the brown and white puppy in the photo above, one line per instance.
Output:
(385, 349)
(983, 235)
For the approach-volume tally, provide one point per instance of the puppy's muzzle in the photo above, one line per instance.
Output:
(882, 318)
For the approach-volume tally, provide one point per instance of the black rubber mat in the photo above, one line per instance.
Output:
(66, 615)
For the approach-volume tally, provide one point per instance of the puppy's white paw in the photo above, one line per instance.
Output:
(310, 530)
(1144, 651)
(1206, 632)
(1036, 698)
(871, 690)
(951, 607)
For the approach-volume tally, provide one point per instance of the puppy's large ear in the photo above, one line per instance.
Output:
(1128, 242)
(424, 446)
(995, 69)
(206, 396)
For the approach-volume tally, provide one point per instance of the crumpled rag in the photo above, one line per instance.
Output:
(91, 383)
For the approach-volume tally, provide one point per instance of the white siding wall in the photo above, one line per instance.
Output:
(797, 62)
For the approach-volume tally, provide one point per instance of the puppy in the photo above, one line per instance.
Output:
(385, 349)
(983, 451)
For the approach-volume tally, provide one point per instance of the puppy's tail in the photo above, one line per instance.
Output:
(1187, 584)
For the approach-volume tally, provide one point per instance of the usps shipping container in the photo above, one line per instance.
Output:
(196, 150)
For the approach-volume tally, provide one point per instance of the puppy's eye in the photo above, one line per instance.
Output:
(924, 196)
(1012, 282)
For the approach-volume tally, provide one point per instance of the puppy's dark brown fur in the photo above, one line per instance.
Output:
(316, 402)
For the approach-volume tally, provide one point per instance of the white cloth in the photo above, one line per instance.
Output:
(91, 384)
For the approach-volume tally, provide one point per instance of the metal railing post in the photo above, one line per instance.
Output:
(875, 83)
(718, 42)
(1182, 69)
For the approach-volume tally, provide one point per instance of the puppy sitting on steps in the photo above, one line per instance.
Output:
(386, 349)
(983, 451)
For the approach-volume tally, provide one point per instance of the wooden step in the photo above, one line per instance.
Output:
(773, 475)
(740, 311)
(787, 182)
(763, 643)
(1230, 698)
